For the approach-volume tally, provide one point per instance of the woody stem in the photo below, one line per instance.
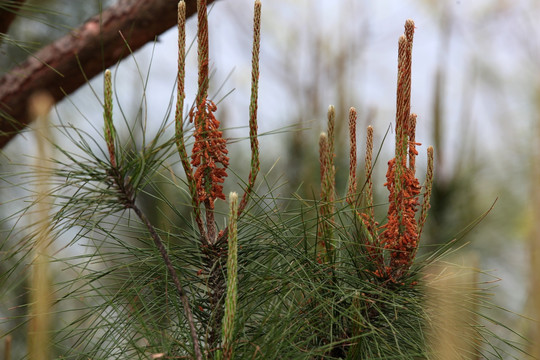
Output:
(172, 272)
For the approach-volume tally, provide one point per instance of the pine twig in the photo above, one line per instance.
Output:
(172, 272)
(128, 199)
(209, 153)
(369, 175)
(179, 120)
(254, 142)
(331, 157)
(351, 190)
(328, 191)
(400, 235)
(202, 51)
(428, 187)
(110, 131)
(232, 279)
(323, 231)
(368, 216)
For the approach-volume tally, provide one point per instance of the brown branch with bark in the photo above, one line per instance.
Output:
(63, 66)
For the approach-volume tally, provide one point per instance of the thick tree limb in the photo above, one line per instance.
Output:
(61, 67)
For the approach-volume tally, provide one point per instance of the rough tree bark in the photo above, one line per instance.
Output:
(63, 66)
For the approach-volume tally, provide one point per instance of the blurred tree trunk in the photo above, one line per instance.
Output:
(63, 66)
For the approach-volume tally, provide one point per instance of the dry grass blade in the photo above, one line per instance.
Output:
(451, 311)
(40, 288)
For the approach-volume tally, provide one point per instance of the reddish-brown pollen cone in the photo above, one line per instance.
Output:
(209, 155)
(400, 235)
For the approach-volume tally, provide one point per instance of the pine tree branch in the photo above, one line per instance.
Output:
(63, 66)
(172, 272)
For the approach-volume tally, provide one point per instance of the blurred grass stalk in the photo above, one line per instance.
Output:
(534, 258)
(451, 309)
(40, 286)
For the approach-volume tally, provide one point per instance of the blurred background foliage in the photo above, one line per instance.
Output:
(476, 90)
